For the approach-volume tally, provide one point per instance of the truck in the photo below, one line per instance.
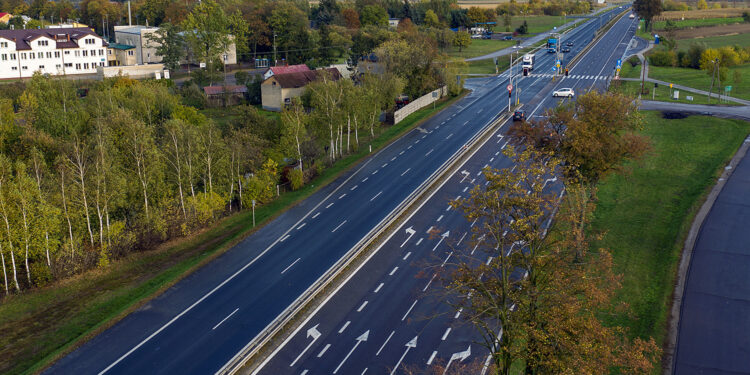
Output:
(552, 45)
(528, 62)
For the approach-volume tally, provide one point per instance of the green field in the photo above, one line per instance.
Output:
(629, 71)
(537, 24)
(480, 47)
(40, 325)
(682, 24)
(661, 93)
(742, 40)
(647, 211)
(698, 79)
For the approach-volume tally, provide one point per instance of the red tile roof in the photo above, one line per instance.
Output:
(2, 14)
(289, 69)
(301, 79)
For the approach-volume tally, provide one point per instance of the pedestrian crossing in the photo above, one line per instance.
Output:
(571, 76)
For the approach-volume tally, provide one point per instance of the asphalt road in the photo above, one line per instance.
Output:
(391, 314)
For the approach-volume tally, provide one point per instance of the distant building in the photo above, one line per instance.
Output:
(278, 90)
(121, 55)
(137, 36)
(223, 96)
(369, 64)
(393, 22)
(285, 69)
(50, 51)
(5, 17)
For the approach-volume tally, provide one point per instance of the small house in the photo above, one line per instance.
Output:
(279, 89)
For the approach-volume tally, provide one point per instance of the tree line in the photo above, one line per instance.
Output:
(89, 176)
(528, 281)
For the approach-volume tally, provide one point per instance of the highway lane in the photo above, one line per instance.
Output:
(197, 325)
(389, 297)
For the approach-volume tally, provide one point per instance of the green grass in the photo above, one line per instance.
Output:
(682, 24)
(479, 47)
(629, 71)
(742, 40)
(698, 79)
(661, 94)
(41, 325)
(641, 32)
(224, 116)
(537, 24)
(487, 66)
(647, 212)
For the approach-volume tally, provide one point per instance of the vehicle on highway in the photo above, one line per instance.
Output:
(565, 92)
(527, 63)
(551, 50)
(569, 44)
(631, 16)
(519, 116)
(565, 50)
(508, 37)
(476, 36)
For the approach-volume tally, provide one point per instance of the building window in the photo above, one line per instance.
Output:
(12, 56)
(78, 66)
(31, 56)
(101, 64)
(41, 67)
(58, 66)
(57, 54)
(78, 53)
(49, 55)
(43, 43)
(68, 65)
(67, 52)
(23, 56)
(85, 65)
(3, 44)
(40, 55)
(90, 41)
(109, 52)
(130, 53)
(25, 67)
(5, 57)
(13, 68)
(85, 53)
(101, 52)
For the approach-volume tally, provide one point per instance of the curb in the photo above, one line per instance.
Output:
(673, 322)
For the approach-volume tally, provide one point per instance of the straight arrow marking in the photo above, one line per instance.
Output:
(362, 337)
(409, 345)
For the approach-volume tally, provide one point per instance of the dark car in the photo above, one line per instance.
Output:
(569, 44)
(565, 50)
(508, 37)
(519, 116)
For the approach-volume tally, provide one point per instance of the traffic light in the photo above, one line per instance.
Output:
(525, 72)
(566, 72)
(509, 96)
(656, 85)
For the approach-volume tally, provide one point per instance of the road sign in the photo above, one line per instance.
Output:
(510, 87)
(670, 85)
(619, 63)
(728, 88)
(554, 68)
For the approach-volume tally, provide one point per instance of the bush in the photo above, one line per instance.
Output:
(296, 179)
(634, 61)
(693, 57)
(663, 58)
(746, 16)
(193, 96)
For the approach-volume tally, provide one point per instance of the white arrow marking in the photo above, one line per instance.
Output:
(458, 356)
(362, 337)
(442, 237)
(466, 174)
(553, 179)
(311, 332)
(410, 231)
(409, 345)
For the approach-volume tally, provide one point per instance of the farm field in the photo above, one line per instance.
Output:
(699, 14)
(699, 22)
(742, 40)
(738, 28)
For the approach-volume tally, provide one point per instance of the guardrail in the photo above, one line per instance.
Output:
(305, 299)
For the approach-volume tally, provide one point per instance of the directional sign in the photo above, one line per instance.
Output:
(619, 63)
(553, 68)
(728, 88)
(510, 87)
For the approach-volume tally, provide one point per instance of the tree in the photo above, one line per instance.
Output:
(207, 32)
(476, 15)
(431, 19)
(462, 40)
(702, 4)
(294, 130)
(351, 18)
(647, 10)
(373, 15)
(169, 43)
(290, 25)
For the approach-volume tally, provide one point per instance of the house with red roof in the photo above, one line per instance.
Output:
(5, 17)
(278, 90)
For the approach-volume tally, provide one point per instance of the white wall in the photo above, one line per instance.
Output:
(47, 59)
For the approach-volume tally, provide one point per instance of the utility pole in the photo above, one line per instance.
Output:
(713, 76)
(274, 49)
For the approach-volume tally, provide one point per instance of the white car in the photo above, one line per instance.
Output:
(564, 92)
(476, 36)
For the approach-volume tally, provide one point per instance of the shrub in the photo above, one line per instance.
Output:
(296, 179)
(663, 58)
(729, 56)
(634, 61)
(693, 57)
(746, 16)
(193, 96)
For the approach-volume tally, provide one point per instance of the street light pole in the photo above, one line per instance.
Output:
(274, 49)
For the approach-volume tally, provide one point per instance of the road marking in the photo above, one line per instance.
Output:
(506, 143)
(223, 320)
(378, 288)
(492, 159)
(342, 195)
(324, 350)
(365, 179)
(409, 148)
(448, 208)
(446, 259)
(462, 238)
(478, 173)
(376, 171)
(429, 361)
(440, 218)
(428, 283)
(376, 195)
(364, 371)
(473, 222)
(345, 325)
(342, 223)
(304, 372)
(354, 187)
(405, 172)
(384, 165)
(417, 141)
(467, 121)
(362, 306)
(466, 188)
(497, 153)
(316, 215)
(290, 266)
(420, 241)
(445, 335)
(407, 255)
(393, 271)
(301, 226)
(284, 238)
(448, 137)
(458, 313)
(429, 152)
(401, 153)
(393, 158)
(408, 311)
(329, 205)
(424, 136)
(480, 110)
(489, 260)
(385, 342)
(429, 230)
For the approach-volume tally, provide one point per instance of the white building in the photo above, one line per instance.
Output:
(138, 37)
(50, 51)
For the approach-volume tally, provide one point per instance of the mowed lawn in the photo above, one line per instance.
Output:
(680, 24)
(537, 24)
(742, 40)
(479, 47)
(647, 210)
(700, 80)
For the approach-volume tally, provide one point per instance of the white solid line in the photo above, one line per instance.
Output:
(420, 241)
(429, 361)
(301, 226)
(445, 335)
(446, 259)
(342, 223)
(407, 255)
(290, 266)
(428, 284)
(378, 288)
(324, 350)
(386, 341)
(316, 215)
(393, 271)
(376, 195)
(345, 325)
(223, 320)
(284, 238)
(408, 311)
(329, 205)
(440, 218)
(354, 187)
(362, 307)
(342, 195)
(407, 170)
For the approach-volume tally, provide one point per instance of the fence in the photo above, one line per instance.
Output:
(419, 103)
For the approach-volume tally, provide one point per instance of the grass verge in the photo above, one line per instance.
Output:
(648, 212)
(40, 326)
(700, 80)
(479, 47)
(661, 93)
